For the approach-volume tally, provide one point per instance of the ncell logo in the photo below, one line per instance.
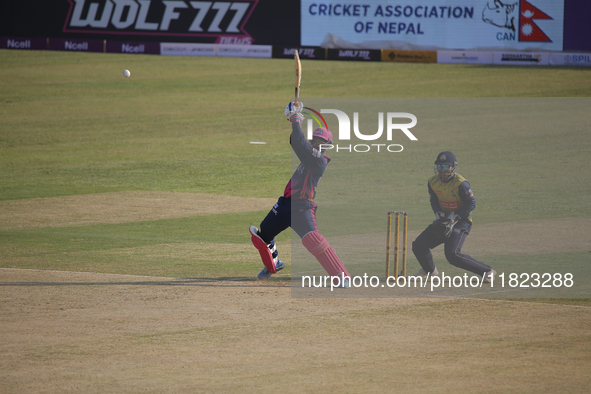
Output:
(517, 17)
(160, 17)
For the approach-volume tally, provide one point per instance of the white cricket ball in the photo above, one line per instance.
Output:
(126, 73)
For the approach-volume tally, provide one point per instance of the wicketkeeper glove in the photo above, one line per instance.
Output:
(293, 112)
(442, 228)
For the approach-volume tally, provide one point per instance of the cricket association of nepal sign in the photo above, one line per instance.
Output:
(455, 24)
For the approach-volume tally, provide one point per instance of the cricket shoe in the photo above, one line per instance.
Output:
(489, 276)
(345, 283)
(424, 274)
(265, 274)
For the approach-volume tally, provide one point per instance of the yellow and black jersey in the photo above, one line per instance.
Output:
(452, 196)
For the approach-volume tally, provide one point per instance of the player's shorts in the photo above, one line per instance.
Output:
(300, 215)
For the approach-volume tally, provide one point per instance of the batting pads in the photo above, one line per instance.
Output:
(263, 250)
(326, 256)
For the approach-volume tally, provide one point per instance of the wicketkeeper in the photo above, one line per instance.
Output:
(296, 208)
(452, 202)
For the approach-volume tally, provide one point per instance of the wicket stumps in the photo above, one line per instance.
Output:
(396, 242)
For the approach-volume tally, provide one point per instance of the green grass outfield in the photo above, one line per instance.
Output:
(70, 124)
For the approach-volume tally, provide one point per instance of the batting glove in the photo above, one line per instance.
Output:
(293, 112)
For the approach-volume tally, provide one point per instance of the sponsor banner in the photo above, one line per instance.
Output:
(77, 45)
(151, 48)
(186, 49)
(435, 24)
(570, 59)
(236, 22)
(159, 17)
(392, 55)
(354, 54)
(264, 51)
(304, 53)
(464, 57)
(22, 43)
(522, 58)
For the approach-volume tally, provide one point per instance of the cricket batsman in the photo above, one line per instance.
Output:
(452, 202)
(296, 208)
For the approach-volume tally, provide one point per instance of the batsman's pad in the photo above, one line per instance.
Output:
(442, 228)
(263, 250)
(326, 256)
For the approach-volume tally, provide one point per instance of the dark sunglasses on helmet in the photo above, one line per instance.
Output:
(443, 166)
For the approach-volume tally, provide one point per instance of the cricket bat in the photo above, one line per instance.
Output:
(298, 76)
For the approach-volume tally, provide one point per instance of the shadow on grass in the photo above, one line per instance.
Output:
(205, 282)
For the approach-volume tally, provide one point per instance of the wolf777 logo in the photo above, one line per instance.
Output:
(161, 17)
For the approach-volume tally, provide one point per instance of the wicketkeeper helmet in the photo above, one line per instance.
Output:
(446, 158)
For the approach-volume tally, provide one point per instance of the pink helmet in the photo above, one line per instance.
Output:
(323, 133)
